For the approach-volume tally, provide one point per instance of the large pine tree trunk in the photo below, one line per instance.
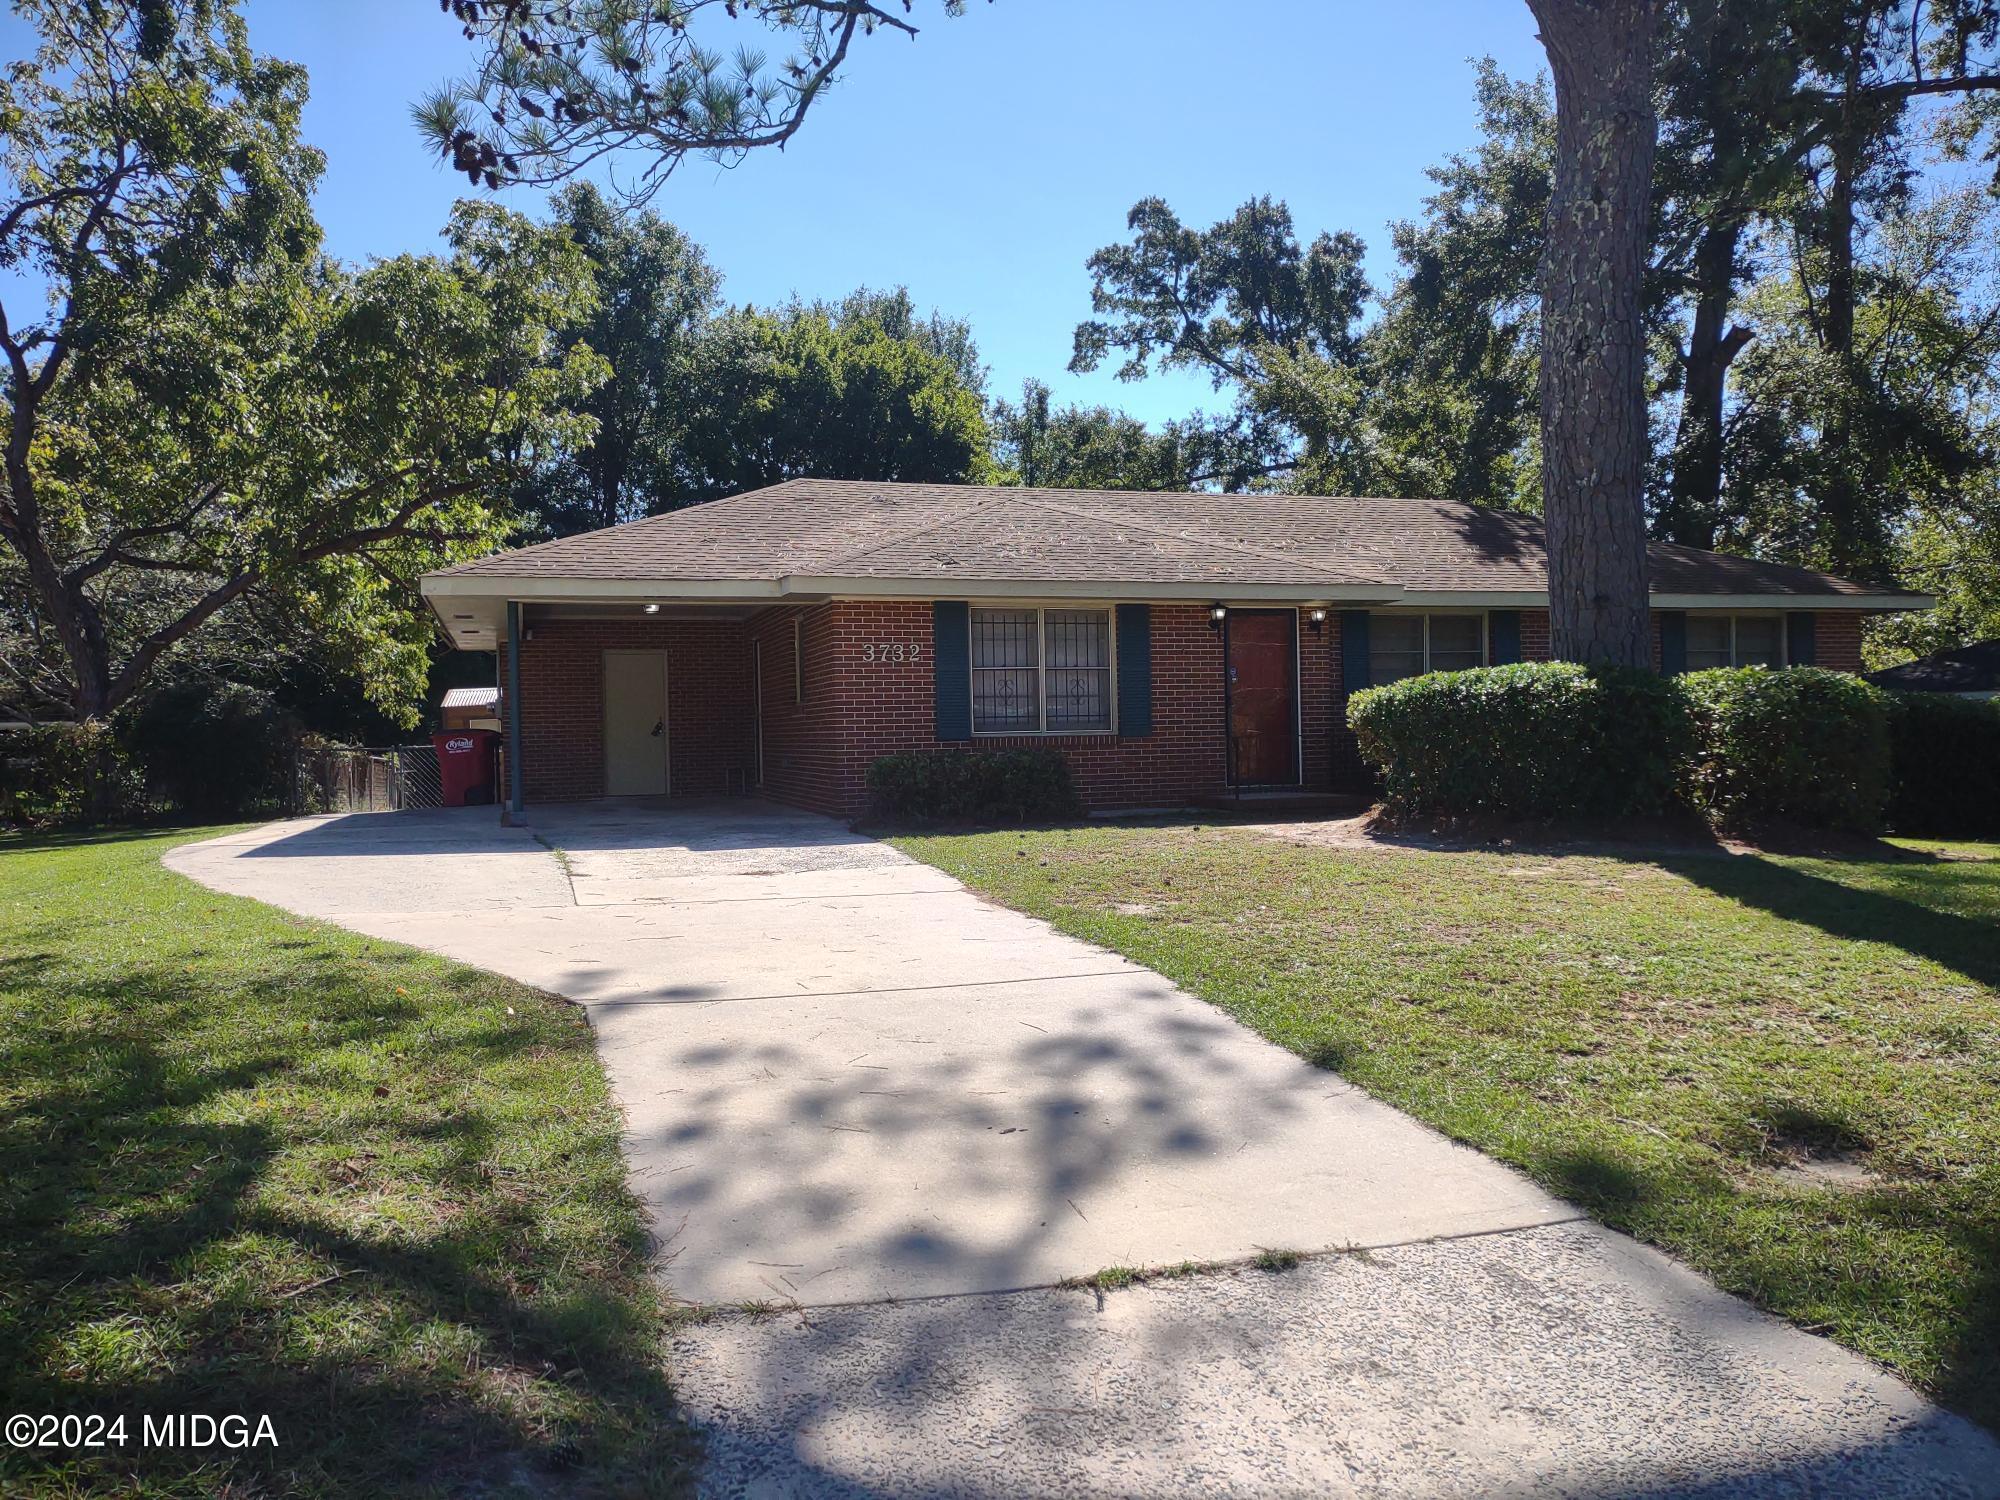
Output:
(1593, 343)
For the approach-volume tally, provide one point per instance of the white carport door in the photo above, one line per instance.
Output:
(635, 723)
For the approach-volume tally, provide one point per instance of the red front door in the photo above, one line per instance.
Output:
(1263, 697)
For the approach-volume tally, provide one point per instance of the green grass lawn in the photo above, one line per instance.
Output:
(1785, 1071)
(258, 1165)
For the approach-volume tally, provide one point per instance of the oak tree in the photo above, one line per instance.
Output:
(202, 412)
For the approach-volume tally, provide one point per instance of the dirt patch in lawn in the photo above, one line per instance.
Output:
(1377, 830)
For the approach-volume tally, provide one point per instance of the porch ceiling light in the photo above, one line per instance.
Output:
(652, 609)
(1217, 613)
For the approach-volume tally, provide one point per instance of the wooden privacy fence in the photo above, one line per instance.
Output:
(351, 778)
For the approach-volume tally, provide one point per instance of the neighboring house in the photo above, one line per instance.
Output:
(1172, 646)
(1970, 671)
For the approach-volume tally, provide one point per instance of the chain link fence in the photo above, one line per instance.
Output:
(418, 781)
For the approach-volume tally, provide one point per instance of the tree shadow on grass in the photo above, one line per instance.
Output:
(1968, 946)
(90, 838)
(170, 1247)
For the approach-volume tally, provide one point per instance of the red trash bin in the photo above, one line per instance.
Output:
(465, 766)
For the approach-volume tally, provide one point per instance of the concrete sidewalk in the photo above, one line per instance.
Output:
(846, 1080)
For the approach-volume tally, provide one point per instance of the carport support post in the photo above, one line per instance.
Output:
(513, 708)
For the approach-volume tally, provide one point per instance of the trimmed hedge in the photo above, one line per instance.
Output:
(1803, 745)
(1944, 759)
(1535, 739)
(1741, 745)
(973, 786)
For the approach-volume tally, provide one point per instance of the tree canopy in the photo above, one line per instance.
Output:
(206, 413)
(1816, 303)
(656, 292)
(1086, 447)
(808, 389)
(704, 400)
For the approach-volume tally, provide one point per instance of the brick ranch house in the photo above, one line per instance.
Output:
(1172, 646)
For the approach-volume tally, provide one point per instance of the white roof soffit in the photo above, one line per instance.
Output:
(1537, 599)
(595, 590)
(493, 591)
(1794, 601)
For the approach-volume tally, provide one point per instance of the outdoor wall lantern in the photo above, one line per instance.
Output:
(652, 609)
(1217, 613)
(1317, 618)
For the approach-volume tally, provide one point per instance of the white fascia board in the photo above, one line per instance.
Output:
(1093, 589)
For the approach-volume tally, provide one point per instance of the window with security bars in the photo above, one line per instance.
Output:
(1041, 670)
(1402, 646)
(1734, 641)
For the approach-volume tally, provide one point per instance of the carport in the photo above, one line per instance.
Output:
(623, 697)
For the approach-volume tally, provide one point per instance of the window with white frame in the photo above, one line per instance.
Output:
(1402, 646)
(1037, 671)
(1735, 641)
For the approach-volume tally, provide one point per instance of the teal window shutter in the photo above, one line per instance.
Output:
(1135, 671)
(1673, 642)
(1503, 636)
(951, 647)
(1353, 650)
(1800, 633)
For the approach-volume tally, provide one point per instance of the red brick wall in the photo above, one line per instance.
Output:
(562, 704)
(868, 690)
(890, 706)
(1837, 640)
(802, 709)
(1535, 635)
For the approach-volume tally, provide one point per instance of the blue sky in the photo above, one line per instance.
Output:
(980, 164)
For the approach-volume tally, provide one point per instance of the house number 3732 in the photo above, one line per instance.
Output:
(879, 652)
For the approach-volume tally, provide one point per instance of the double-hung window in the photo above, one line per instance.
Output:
(1735, 641)
(1041, 671)
(1402, 646)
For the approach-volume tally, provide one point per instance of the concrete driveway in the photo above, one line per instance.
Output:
(849, 1083)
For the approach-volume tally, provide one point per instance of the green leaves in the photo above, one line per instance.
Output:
(833, 392)
(1806, 746)
(655, 288)
(1243, 302)
(216, 418)
(1533, 740)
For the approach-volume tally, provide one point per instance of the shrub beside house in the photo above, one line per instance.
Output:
(1741, 746)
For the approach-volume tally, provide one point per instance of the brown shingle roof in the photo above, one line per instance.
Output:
(831, 529)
